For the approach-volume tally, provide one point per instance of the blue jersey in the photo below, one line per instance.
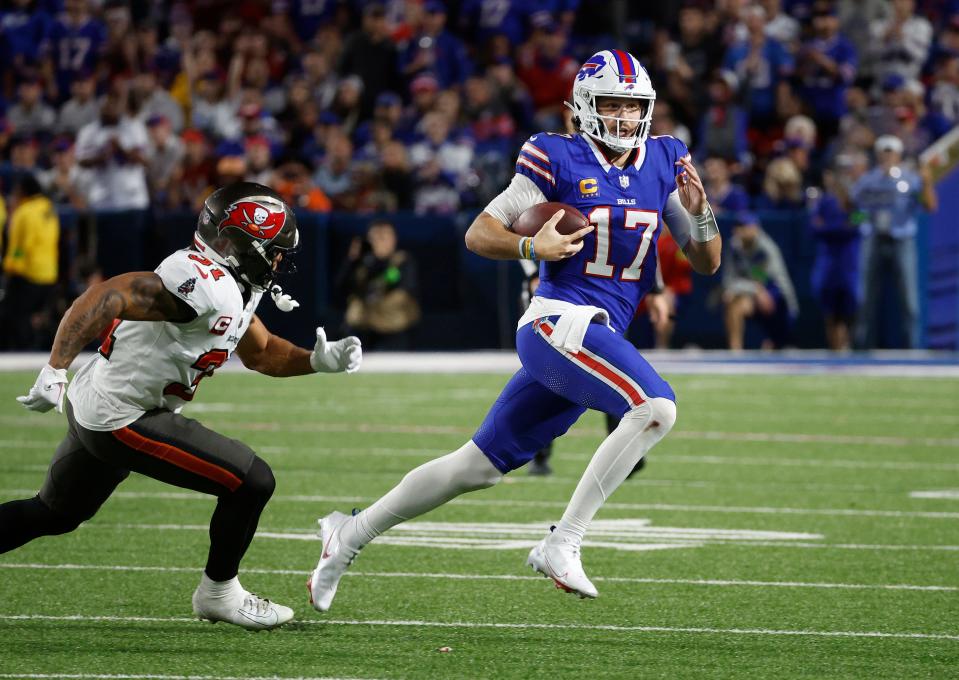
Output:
(74, 49)
(617, 265)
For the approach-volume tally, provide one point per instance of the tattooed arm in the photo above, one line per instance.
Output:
(137, 296)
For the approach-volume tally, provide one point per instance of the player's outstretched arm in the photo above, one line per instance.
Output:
(137, 296)
(489, 237)
(269, 354)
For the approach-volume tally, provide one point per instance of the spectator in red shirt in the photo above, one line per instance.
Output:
(547, 71)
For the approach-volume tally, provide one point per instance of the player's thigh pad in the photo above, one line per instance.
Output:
(524, 418)
(608, 374)
(176, 450)
(77, 482)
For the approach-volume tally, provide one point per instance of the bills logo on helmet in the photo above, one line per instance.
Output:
(254, 218)
(591, 67)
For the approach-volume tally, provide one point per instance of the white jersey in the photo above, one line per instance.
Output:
(144, 365)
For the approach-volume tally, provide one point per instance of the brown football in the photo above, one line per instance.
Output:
(532, 219)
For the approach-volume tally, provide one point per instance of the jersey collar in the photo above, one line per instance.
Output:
(638, 157)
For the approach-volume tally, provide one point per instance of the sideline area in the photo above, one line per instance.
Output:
(904, 363)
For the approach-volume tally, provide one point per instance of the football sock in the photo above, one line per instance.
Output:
(427, 487)
(220, 590)
(24, 520)
(639, 430)
(234, 521)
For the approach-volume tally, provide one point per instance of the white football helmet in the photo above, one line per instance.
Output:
(612, 73)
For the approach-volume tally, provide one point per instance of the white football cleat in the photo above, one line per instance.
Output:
(246, 610)
(334, 561)
(559, 560)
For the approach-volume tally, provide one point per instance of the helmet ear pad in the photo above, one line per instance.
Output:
(243, 226)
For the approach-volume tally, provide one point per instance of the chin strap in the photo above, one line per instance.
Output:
(284, 302)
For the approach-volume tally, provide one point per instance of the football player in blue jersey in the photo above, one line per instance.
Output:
(570, 341)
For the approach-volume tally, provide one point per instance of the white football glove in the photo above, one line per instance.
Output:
(47, 392)
(283, 302)
(345, 354)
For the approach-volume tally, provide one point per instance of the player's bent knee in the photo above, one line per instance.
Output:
(259, 480)
(476, 470)
(663, 414)
(657, 414)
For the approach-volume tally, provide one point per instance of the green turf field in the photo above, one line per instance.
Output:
(786, 542)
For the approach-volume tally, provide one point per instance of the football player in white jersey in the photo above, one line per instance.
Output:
(169, 329)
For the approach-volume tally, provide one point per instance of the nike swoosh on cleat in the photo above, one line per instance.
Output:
(262, 620)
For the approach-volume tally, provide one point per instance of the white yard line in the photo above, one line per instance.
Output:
(944, 494)
(311, 536)
(496, 577)
(664, 507)
(515, 626)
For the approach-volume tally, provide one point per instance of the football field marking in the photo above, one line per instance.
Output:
(944, 494)
(383, 428)
(666, 507)
(511, 626)
(727, 583)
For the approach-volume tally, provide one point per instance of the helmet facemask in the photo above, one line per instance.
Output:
(597, 126)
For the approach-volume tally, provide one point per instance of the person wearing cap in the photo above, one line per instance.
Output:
(436, 50)
(30, 264)
(756, 284)
(889, 198)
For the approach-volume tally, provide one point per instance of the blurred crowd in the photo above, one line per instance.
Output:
(372, 107)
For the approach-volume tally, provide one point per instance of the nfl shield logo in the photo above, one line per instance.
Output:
(624, 181)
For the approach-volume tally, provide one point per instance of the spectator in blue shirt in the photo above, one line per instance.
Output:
(827, 66)
(889, 198)
(74, 45)
(23, 30)
(835, 230)
(436, 50)
(488, 18)
(762, 65)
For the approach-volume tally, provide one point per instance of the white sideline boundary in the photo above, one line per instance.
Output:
(896, 363)
(723, 583)
(511, 626)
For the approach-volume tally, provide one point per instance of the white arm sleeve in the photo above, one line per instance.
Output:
(684, 226)
(521, 194)
(679, 221)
